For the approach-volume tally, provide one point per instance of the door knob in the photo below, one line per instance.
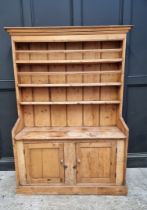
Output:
(61, 161)
(78, 161)
(75, 166)
(65, 166)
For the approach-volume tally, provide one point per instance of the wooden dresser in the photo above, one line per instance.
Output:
(70, 137)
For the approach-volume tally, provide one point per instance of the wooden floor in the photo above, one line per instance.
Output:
(110, 132)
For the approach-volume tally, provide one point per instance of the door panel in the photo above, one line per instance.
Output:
(96, 162)
(44, 162)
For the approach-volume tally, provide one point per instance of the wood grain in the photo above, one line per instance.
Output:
(70, 137)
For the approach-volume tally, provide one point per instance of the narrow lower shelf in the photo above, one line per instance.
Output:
(70, 72)
(50, 133)
(70, 51)
(116, 60)
(69, 102)
(71, 84)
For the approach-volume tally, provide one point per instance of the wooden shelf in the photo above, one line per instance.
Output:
(50, 133)
(71, 84)
(69, 51)
(116, 60)
(68, 102)
(71, 73)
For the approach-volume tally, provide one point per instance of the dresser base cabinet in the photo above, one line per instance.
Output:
(70, 137)
(71, 167)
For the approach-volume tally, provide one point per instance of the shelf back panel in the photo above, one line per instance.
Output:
(107, 78)
(70, 115)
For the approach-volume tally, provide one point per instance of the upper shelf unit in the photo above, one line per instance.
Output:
(75, 73)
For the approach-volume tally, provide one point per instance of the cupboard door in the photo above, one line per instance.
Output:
(96, 162)
(44, 162)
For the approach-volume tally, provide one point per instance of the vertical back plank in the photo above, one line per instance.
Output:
(26, 92)
(91, 112)
(41, 112)
(58, 113)
(76, 92)
(108, 113)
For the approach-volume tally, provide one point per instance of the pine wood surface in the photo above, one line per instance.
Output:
(70, 137)
(44, 133)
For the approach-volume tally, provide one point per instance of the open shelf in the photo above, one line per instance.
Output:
(47, 133)
(116, 60)
(68, 51)
(71, 72)
(69, 102)
(71, 85)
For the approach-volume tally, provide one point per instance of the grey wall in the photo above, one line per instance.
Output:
(80, 12)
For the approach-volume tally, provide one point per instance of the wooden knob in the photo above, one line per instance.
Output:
(65, 166)
(78, 161)
(75, 166)
(61, 161)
